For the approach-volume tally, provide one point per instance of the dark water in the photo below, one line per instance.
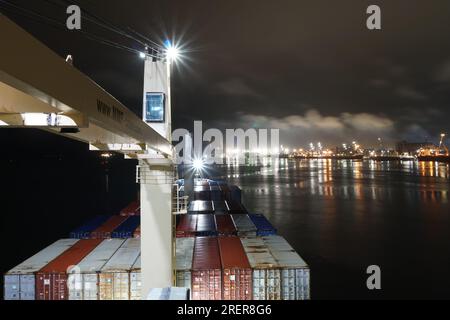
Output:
(342, 216)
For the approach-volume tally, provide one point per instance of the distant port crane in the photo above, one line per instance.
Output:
(442, 146)
(440, 153)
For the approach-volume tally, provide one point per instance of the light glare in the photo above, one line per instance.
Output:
(172, 52)
(198, 164)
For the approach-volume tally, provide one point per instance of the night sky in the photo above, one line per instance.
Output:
(310, 68)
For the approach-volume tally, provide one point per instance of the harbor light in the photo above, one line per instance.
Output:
(106, 155)
(198, 164)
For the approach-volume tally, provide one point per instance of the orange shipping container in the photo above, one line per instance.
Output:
(51, 280)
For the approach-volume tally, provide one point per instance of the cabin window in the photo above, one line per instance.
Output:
(154, 107)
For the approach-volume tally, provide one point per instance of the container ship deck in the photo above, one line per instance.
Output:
(223, 252)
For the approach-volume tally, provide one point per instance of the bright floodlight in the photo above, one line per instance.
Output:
(142, 55)
(198, 164)
(172, 52)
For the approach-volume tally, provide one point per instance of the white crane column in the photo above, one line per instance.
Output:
(155, 174)
(156, 180)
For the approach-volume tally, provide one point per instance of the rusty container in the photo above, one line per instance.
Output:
(225, 225)
(187, 226)
(237, 272)
(206, 270)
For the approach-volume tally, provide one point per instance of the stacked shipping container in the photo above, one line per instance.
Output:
(220, 207)
(202, 193)
(51, 280)
(114, 279)
(184, 256)
(83, 278)
(236, 270)
(206, 225)
(19, 283)
(235, 194)
(216, 193)
(262, 268)
(187, 226)
(84, 232)
(206, 270)
(244, 225)
(225, 225)
(213, 267)
(266, 272)
(295, 275)
(127, 228)
(263, 225)
(200, 207)
(105, 230)
(135, 281)
(236, 207)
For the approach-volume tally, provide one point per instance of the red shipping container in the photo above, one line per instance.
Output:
(133, 209)
(51, 280)
(237, 272)
(187, 226)
(206, 270)
(105, 230)
(225, 225)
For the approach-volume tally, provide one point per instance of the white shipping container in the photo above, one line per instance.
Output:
(295, 274)
(244, 225)
(135, 281)
(19, 282)
(277, 243)
(83, 278)
(266, 273)
(114, 278)
(184, 256)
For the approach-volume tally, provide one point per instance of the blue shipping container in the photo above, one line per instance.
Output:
(85, 230)
(127, 228)
(235, 194)
(263, 226)
(206, 225)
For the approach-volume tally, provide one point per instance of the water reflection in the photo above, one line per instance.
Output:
(360, 180)
(347, 215)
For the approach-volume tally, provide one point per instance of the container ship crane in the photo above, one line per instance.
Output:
(39, 89)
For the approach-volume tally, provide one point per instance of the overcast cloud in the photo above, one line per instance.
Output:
(309, 67)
